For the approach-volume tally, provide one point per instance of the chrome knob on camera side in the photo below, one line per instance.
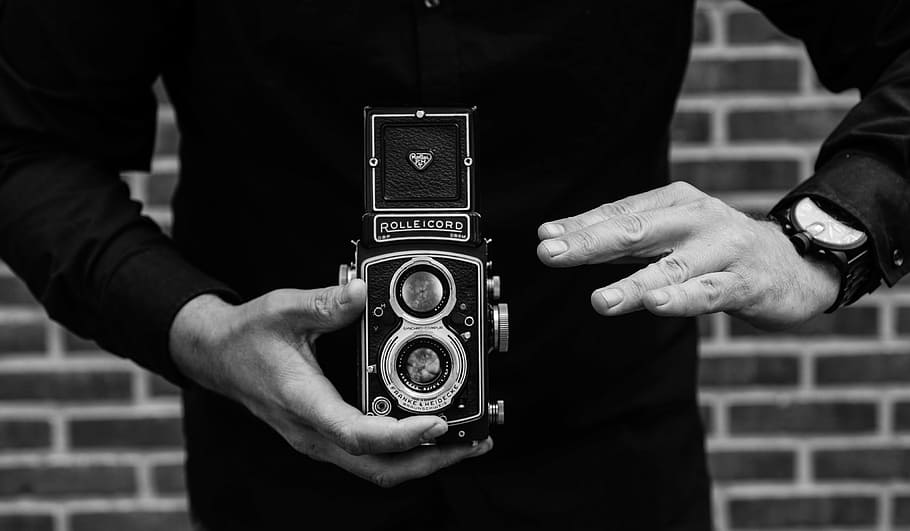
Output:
(501, 327)
(494, 288)
(496, 411)
(346, 273)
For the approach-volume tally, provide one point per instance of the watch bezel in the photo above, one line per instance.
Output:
(828, 222)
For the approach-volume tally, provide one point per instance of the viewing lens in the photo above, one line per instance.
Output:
(422, 291)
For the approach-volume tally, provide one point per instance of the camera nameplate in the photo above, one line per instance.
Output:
(403, 227)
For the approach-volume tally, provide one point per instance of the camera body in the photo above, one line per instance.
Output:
(431, 316)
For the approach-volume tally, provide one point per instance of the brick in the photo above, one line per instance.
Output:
(813, 418)
(169, 479)
(748, 371)
(726, 175)
(18, 338)
(803, 511)
(67, 481)
(24, 434)
(752, 465)
(125, 434)
(27, 522)
(131, 521)
(880, 464)
(854, 321)
(690, 127)
(159, 387)
(705, 326)
(78, 345)
(161, 188)
(902, 416)
(863, 369)
(14, 292)
(66, 386)
(903, 318)
(753, 28)
(702, 30)
(707, 418)
(784, 124)
(741, 75)
(901, 514)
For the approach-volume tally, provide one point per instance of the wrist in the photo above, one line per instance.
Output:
(820, 278)
(199, 326)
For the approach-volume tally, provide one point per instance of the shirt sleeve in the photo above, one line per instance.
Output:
(76, 109)
(864, 165)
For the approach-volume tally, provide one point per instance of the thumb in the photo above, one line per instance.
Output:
(332, 308)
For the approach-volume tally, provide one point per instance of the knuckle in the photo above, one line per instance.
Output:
(635, 287)
(346, 438)
(681, 187)
(383, 479)
(674, 268)
(323, 306)
(618, 208)
(632, 227)
(587, 243)
(712, 290)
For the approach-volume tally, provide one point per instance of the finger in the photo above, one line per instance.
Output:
(713, 292)
(391, 470)
(329, 308)
(640, 234)
(673, 194)
(318, 404)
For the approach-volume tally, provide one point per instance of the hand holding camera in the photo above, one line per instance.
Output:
(261, 355)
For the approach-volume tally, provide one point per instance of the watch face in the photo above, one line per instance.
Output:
(829, 232)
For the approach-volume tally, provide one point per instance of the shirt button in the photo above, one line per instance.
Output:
(431, 3)
(898, 257)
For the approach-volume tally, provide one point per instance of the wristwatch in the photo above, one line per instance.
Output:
(816, 231)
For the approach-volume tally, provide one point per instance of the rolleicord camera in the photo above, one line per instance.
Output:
(432, 314)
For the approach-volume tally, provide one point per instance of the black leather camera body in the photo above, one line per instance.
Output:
(431, 316)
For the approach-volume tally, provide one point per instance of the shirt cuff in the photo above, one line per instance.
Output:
(875, 196)
(142, 299)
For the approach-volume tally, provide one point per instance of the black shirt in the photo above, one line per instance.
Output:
(574, 104)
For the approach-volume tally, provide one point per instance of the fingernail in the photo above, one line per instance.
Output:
(660, 297)
(345, 296)
(611, 297)
(481, 447)
(436, 431)
(555, 247)
(552, 230)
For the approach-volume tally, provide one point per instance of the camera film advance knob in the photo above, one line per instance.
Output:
(346, 273)
(497, 412)
(501, 327)
(494, 289)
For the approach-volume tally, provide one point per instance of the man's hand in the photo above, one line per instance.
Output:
(261, 354)
(712, 258)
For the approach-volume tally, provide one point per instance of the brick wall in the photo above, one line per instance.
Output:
(809, 429)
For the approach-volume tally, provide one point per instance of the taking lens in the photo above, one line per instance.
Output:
(423, 364)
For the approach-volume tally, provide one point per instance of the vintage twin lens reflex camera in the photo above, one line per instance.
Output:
(432, 314)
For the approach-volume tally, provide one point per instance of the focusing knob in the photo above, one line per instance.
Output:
(501, 327)
(497, 412)
(494, 289)
(346, 273)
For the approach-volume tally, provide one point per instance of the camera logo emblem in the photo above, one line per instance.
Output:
(420, 159)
